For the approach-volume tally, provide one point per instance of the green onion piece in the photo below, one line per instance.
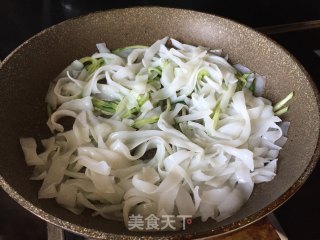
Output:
(85, 59)
(152, 69)
(216, 115)
(118, 50)
(141, 122)
(154, 74)
(92, 64)
(246, 75)
(281, 111)
(252, 86)
(242, 81)
(130, 112)
(168, 107)
(49, 110)
(105, 107)
(202, 74)
(242, 78)
(281, 103)
(142, 99)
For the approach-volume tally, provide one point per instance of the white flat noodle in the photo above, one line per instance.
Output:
(108, 92)
(221, 62)
(84, 202)
(65, 90)
(164, 123)
(216, 195)
(207, 210)
(52, 121)
(100, 167)
(80, 84)
(255, 112)
(81, 128)
(244, 155)
(134, 55)
(232, 129)
(51, 98)
(284, 127)
(227, 97)
(115, 160)
(165, 53)
(266, 173)
(200, 103)
(184, 202)
(54, 176)
(167, 201)
(103, 183)
(194, 116)
(239, 106)
(110, 58)
(152, 50)
(143, 186)
(100, 132)
(29, 148)
(68, 143)
(199, 176)
(102, 48)
(176, 158)
(181, 46)
(67, 195)
(231, 204)
(77, 105)
(38, 174)
(119, 88)
(141, 80)
(91, 86)
(242, 68)
(260, 83)
(127, 72)
(129, 203)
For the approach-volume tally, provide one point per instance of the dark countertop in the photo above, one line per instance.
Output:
(19, 20)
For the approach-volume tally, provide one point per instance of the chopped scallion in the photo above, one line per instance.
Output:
(281, 103)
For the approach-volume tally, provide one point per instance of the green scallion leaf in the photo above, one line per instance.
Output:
(202, 74)
(49, 110)
(142, 99)
(105, 107)
(91, 64)
(242, 81)
(252, 86)
(281, 103)
(141, 122)
(168, 107)
(119, 50)
(281, 111)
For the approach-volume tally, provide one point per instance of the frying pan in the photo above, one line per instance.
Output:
(25, 75)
